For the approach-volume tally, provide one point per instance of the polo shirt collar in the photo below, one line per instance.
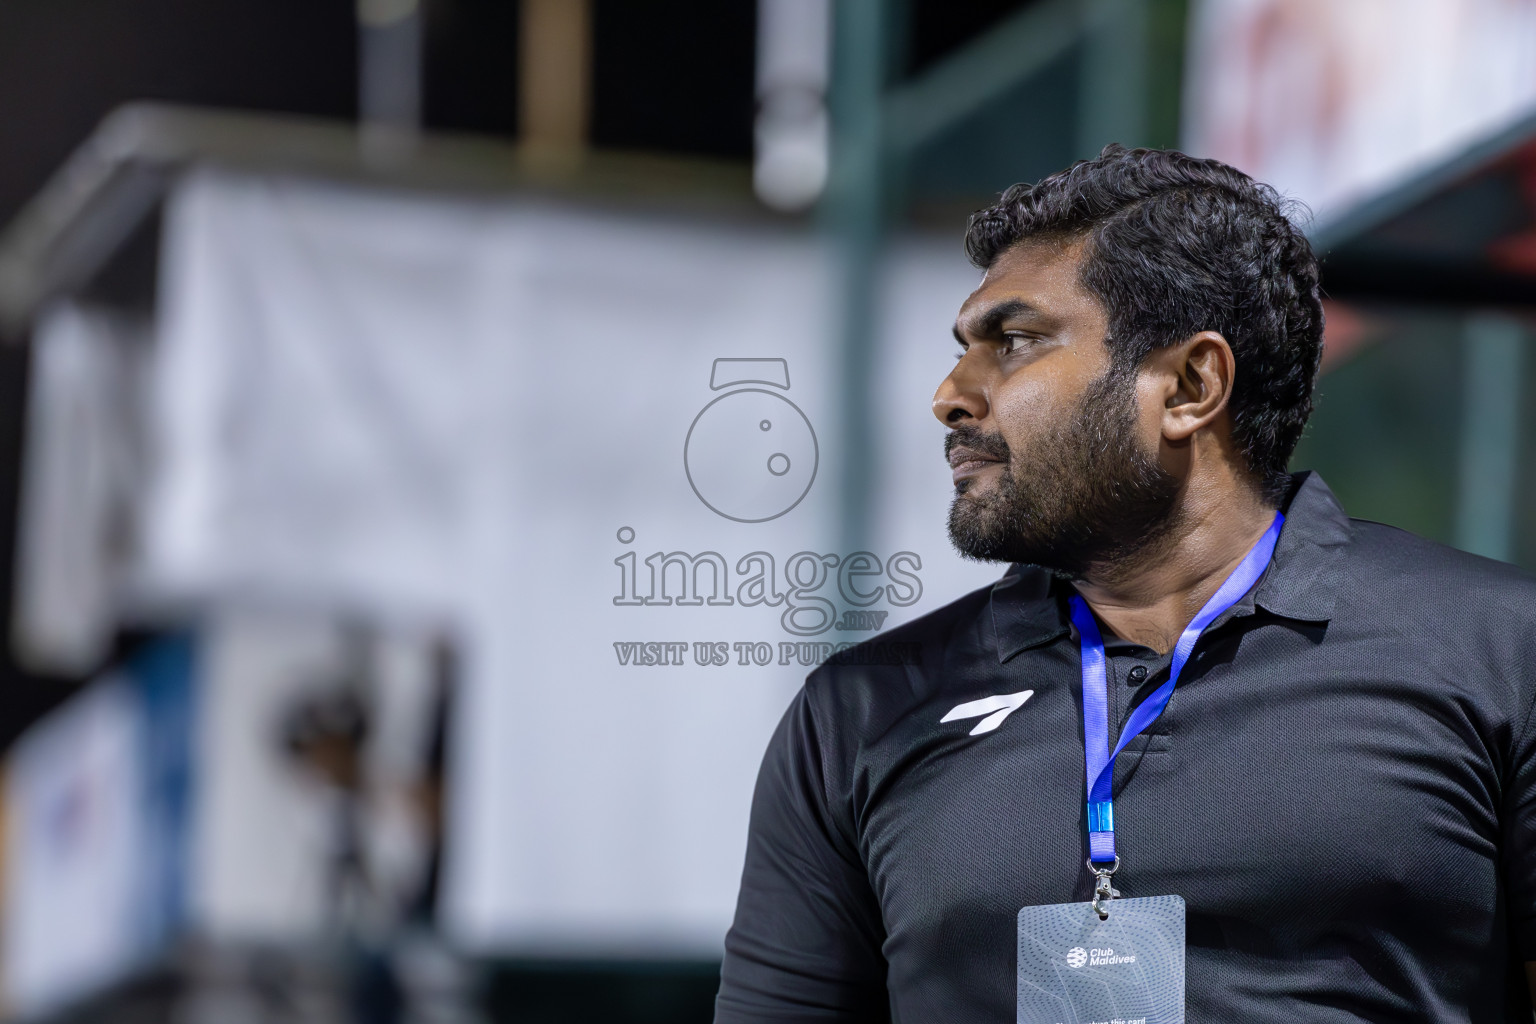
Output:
(1027, 610)
(1305, 572)
(1302, 582)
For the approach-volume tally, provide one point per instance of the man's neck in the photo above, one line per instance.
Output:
(1150, 601)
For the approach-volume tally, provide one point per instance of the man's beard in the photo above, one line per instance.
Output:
(1085, 495)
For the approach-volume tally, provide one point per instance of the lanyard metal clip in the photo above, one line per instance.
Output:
(1102, 889)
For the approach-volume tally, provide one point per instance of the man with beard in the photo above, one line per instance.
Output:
(1298, 747)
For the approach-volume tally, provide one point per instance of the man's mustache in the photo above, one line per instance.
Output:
(991, 446)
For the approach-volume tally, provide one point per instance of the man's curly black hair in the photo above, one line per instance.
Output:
(1175, 246)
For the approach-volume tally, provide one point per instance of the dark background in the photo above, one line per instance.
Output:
(669, 75)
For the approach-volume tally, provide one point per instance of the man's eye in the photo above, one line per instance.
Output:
(1016, 343)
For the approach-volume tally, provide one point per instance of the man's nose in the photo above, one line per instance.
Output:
(962, 395)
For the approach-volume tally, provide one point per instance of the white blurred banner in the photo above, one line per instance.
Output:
(83, 461)
(1333, 101)
(600, 449)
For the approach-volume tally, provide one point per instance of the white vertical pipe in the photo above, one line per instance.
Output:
(389, 38)
(793, 131)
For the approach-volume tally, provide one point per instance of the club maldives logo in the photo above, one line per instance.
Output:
(751, 454)
(1077, 957)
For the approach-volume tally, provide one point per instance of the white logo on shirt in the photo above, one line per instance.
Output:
(995, 708)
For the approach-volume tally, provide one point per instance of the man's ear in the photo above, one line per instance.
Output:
(1196, 378)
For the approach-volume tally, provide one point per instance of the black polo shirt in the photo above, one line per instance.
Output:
(1341, 789)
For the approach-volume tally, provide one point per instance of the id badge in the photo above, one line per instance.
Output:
(1077, 969)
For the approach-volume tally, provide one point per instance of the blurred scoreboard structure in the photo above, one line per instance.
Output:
(1337, 104)
(1406, 130)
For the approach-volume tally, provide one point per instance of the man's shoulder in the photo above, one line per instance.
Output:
(1412, 573)
(1387, 580)
(1466, 616)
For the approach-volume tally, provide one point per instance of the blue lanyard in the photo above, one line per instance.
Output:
(1099, 758)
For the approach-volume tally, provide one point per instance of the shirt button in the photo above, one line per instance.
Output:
(1136, 675)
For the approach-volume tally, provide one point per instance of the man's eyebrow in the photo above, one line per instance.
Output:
(988, 322)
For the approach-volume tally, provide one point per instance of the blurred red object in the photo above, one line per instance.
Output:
(1347, 331)
(1516, 253)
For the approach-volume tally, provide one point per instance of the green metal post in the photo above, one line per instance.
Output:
(1490, 432)
(1114, 75)
(855, 208)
